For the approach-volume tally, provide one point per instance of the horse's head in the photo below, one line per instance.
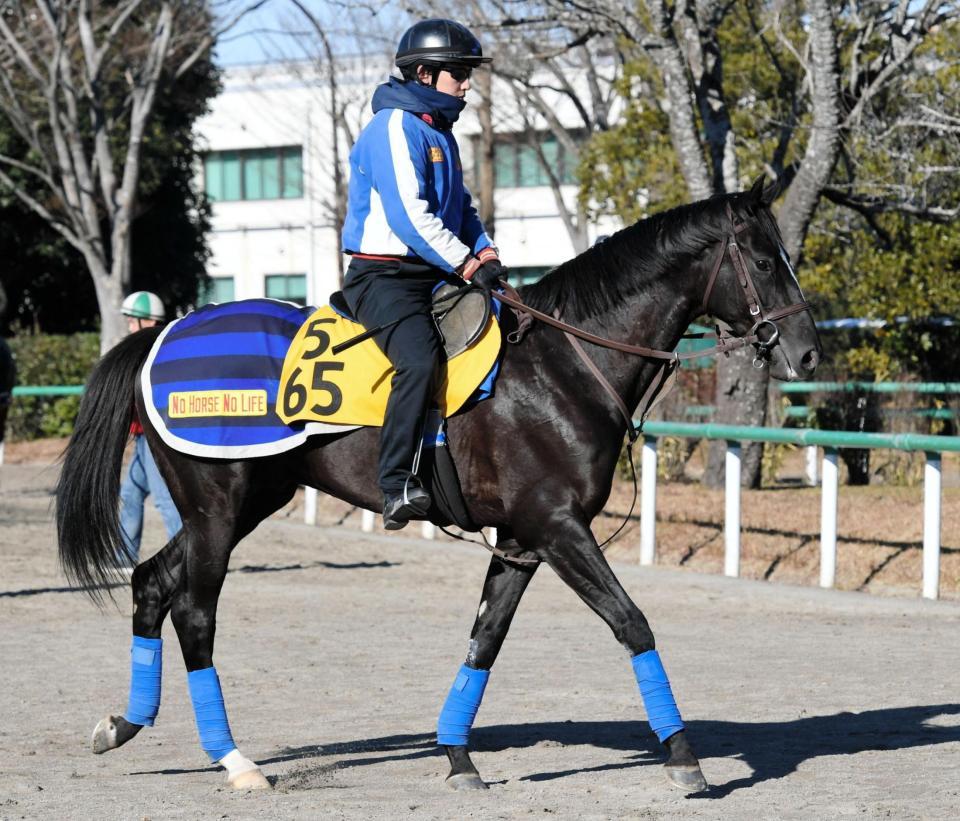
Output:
(752, 287)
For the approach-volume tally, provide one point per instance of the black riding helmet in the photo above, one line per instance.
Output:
(437, 43)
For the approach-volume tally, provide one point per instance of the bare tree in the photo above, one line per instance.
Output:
(333, 52)
(561, 79)
(84, 131)
(830, 112)
(486, 204)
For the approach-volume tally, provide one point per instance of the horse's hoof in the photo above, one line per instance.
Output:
(105, 735)
(688, 777)
(250, 780)
(466, 781)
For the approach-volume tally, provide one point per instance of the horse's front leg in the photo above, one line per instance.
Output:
(567, 545)
(502, 591)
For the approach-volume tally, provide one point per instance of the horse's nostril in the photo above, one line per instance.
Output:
(810, 360)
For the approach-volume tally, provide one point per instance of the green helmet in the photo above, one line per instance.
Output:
(144, 305)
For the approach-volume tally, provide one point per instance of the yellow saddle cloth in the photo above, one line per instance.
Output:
(352, 387)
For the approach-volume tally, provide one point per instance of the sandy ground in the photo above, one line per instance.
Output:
(336, 650)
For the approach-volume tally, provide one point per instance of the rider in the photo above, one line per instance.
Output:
(143, 309)
(410, 223)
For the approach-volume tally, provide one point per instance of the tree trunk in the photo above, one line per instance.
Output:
(110, 295)
(684, 132)
(485, 176)
(741, 399)
(824, 144)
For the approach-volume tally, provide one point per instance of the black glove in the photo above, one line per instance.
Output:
(489, 274)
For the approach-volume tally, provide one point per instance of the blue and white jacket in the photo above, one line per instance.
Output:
(407, 196)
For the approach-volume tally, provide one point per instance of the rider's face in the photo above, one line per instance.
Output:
(135, 324)
(453, 81)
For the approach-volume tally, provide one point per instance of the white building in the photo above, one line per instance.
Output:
(269, 172)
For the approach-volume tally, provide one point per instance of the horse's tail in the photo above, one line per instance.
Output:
(88, 527)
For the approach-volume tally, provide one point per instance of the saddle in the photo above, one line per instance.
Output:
(460, 319)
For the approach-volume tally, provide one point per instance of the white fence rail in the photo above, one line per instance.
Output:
(830, 441)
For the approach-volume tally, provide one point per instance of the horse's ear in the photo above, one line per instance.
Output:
(771, 192)
(756, 190)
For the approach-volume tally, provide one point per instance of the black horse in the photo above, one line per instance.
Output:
(536, 461)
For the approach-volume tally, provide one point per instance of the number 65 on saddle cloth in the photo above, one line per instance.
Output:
(352, 387)
(257, 377)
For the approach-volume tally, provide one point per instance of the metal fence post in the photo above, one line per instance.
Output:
(731, 524)
(309, 505)
(810, 470)
(367, 520)
(828, 518)
(648, 500)
(931, 526)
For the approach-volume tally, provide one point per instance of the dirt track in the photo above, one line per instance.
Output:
(336, 650)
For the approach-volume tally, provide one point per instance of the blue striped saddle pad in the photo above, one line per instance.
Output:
(237, 350)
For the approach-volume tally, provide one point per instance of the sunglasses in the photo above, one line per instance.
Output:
(459, 73)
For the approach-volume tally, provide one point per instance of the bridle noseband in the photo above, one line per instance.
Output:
(754, 304)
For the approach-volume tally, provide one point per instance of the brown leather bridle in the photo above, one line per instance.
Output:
(725, 342)
(754, 303)
(671, 359)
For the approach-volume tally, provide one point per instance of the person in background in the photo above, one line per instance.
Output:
(143, 309)
(410, 223)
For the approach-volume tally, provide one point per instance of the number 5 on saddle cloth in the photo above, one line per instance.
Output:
(257, 377)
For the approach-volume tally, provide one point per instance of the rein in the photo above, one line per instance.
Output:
(671, 359)
(725, 343)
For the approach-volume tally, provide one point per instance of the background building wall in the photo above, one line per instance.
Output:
(285, 105)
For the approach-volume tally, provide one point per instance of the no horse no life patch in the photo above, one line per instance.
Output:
(257, 377)
(197, 404)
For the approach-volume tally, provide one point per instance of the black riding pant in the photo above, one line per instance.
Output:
(378, 292)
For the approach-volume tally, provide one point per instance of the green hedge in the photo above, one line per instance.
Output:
(48, 359)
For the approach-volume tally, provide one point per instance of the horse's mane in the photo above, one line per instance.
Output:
(620, 266)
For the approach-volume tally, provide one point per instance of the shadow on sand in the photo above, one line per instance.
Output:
(246, 568)
(771, 749)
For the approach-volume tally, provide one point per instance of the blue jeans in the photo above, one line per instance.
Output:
(143, 479)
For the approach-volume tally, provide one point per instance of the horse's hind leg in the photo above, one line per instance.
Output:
(567, 545)
(194, 615)
(154, 583)
(502, 590)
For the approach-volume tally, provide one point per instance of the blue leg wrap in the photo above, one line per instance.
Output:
(146, 667)
(460, 708)
(210, 712)
(662, 712)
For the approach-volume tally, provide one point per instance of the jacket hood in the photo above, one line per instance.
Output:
(444, 109)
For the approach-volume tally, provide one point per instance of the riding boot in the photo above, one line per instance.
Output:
(411, 503)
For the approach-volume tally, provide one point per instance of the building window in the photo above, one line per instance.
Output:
(219, 290)
(257, 174)
(291, 287)
(516, 163)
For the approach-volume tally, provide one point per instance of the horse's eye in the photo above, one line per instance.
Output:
(764, 265)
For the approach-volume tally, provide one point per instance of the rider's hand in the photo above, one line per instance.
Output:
(489, 274)
(484, 270)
